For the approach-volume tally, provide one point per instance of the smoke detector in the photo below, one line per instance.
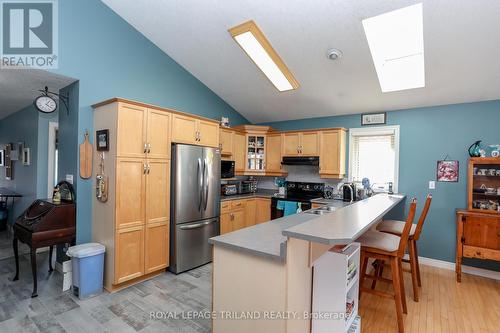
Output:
(334, 54)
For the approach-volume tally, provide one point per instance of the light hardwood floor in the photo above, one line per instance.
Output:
(444, 306)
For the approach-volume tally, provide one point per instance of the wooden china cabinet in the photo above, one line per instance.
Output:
(478, 227)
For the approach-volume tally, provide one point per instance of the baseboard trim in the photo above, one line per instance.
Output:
(465, 269)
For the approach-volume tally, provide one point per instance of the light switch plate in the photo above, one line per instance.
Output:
(69, 179)
(432, 185)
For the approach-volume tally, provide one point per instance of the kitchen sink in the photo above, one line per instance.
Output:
(321, 210)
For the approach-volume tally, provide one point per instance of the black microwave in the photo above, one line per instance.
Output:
(226, 169)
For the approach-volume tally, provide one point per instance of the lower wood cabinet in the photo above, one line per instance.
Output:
(156, 246)
(243, 213)
(250, 212)
(478, 236)
(129, 259)
(263, 210)
(232, 221)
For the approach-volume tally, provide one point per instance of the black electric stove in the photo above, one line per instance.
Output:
(299, 192)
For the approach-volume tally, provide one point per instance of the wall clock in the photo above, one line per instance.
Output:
(45, 104)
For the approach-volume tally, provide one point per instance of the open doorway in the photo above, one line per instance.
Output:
(28, 144)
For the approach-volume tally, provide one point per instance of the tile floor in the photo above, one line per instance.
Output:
(128, 310)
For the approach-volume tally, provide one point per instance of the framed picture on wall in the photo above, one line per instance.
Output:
(447, 171)
(102, 137)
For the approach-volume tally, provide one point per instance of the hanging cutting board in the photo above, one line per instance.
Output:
(86, 158)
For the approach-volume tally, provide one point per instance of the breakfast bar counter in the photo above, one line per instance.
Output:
(267, 270)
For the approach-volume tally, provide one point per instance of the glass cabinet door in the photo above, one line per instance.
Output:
(256, 152)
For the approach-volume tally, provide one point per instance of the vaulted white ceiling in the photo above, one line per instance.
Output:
(462, 52)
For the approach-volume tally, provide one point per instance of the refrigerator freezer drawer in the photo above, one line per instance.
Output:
(190, 248)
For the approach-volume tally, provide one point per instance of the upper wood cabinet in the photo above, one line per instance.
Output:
(332, 158)
(190, 130)
(273, 154)
(309, 144)
(300, 144)
(158, 134)
(239, 153)
(132, 120)
(226, 142)
(147, 132)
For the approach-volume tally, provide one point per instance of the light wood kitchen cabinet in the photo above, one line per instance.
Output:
(134, 222)
(157, 246)
(300, 144)
(191, 130)
(263, 210)
(309, 144)
(332, 157)
(225, 223)
(132, 119)
(129, 263)
(291, 144)
(232, 221)
(130, 192)
(208, 133)
(226, 142)
(239, 153)
(157, 191)
(316, 205)
(250, 212)
(184, 129)
(273, 157)
(158, 134)
(148, 132)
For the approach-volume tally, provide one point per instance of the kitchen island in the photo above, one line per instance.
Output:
(263, 277)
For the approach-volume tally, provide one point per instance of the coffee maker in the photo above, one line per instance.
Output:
(349, 192)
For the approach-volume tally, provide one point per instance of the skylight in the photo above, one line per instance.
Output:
(396, 41)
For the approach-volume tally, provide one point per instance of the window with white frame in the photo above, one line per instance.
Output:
(374, 154)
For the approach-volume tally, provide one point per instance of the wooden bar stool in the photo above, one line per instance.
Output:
(395, 227)
(387, 247)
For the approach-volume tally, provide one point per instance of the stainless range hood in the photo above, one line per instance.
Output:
(311, 160)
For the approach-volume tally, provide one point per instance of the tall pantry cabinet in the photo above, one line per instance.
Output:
(134, 223)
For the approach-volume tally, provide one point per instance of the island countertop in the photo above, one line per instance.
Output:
(342, 226)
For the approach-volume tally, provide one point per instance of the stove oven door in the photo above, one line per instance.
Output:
(277, 213)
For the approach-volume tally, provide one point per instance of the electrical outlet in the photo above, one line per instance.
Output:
(432, 185)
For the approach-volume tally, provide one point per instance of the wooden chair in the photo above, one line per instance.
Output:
(387, 247)
(396, 228)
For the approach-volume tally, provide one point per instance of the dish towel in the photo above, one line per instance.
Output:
(290, 208)
(280, 205)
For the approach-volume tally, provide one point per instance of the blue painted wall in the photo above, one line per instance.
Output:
(427, 135)
(111, 59)
(21, 126)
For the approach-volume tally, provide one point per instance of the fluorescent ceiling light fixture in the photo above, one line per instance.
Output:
(396, 41)
(258, 48)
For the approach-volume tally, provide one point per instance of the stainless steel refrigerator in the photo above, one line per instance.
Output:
(195, 208)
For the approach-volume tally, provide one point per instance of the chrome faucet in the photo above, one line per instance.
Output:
(350, 189)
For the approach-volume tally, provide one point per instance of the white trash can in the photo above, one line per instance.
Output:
(88, 269)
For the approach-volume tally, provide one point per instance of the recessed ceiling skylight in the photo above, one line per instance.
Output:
(258, 48)
(396, 41)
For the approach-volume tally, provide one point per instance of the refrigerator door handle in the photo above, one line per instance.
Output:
(197, 225)
(200, 185)
(207, 183)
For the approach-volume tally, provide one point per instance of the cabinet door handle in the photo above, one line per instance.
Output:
(149, 168)
(145, 147)
(149, 147)
(145, 168)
